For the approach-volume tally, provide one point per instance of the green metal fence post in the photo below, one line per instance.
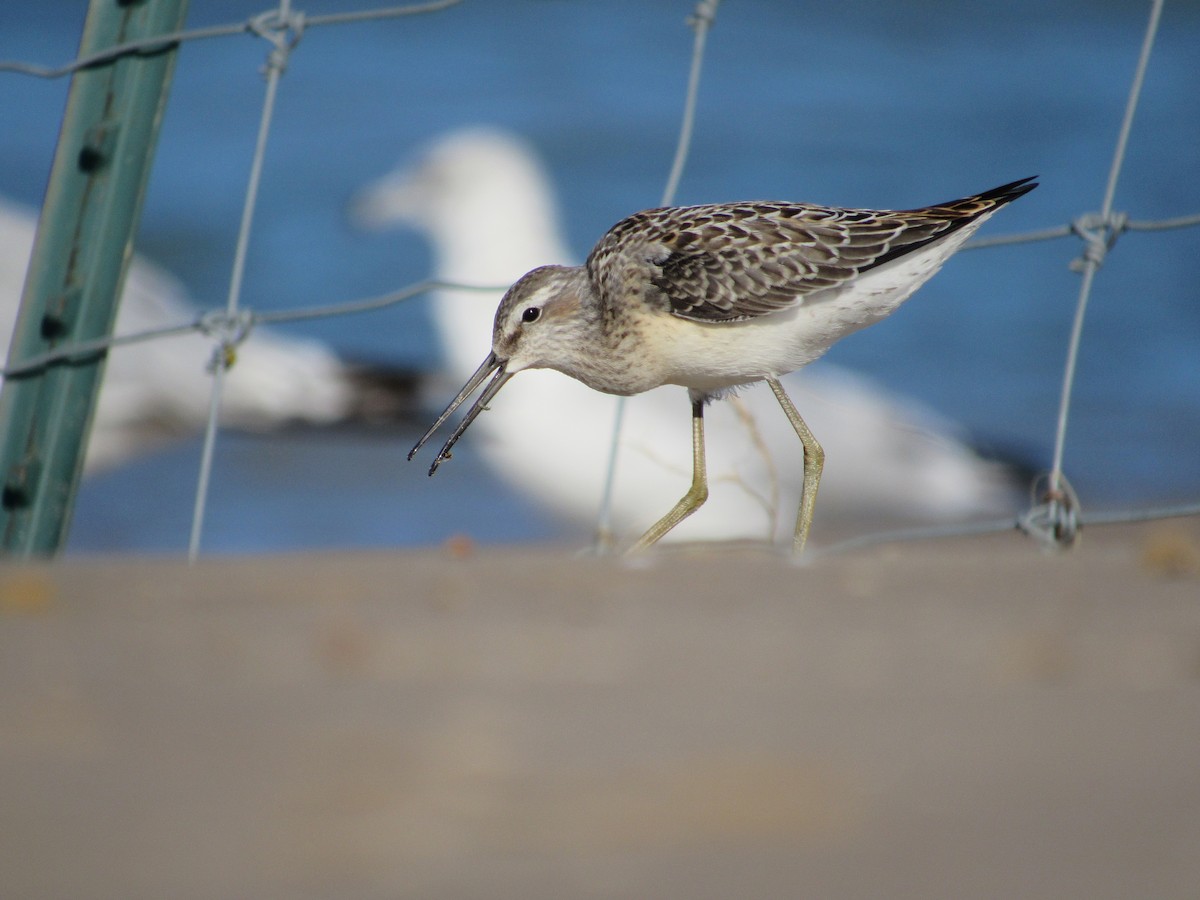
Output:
(84, 241)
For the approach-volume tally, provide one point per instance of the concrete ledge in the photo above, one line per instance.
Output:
(966, 718)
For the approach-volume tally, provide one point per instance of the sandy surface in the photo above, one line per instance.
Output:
(965, 718)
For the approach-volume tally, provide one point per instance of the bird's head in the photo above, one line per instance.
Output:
(538, 322)
(538, 325)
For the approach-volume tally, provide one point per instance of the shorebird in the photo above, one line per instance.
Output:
(487, 205)
(155, 390)
(715, 297)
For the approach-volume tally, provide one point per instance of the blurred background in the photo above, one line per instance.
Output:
(966, 717)
(863, 104)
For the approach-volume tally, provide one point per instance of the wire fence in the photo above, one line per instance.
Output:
(1054, 517)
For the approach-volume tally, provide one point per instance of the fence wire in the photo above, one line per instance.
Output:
(701, 21)
(1054, 517)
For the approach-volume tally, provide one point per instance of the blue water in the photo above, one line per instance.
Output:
(868, 103)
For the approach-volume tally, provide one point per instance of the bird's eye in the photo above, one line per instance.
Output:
(531, 314)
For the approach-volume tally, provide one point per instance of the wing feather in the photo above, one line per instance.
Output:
(735, 261)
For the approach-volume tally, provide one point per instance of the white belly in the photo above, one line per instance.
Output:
(711, 357)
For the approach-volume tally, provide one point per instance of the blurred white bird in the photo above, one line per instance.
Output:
(486, 204)
(157, 389)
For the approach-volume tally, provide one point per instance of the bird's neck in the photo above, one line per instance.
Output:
(592, 347)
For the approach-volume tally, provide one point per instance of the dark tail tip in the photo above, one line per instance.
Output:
(1007, 193)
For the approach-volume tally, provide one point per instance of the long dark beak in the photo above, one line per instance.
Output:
(490, 365)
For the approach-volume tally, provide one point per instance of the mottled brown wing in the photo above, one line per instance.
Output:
(730, 262)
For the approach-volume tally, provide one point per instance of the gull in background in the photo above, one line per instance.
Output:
(486, 204)
(154, 390)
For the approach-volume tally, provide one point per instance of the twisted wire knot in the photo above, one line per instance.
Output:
(1098, 232)
(228, 332)
(282, 30)
(1055, 520)
(703, 15)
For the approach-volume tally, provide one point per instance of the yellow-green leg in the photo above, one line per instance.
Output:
(814, 461)
(697, 493)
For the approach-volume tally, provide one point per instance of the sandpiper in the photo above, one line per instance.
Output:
(714, 297)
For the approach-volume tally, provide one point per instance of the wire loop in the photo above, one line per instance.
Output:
(228, 333)
(1098, 232)
(1055, 519)
(282, 30)
(703, 15)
